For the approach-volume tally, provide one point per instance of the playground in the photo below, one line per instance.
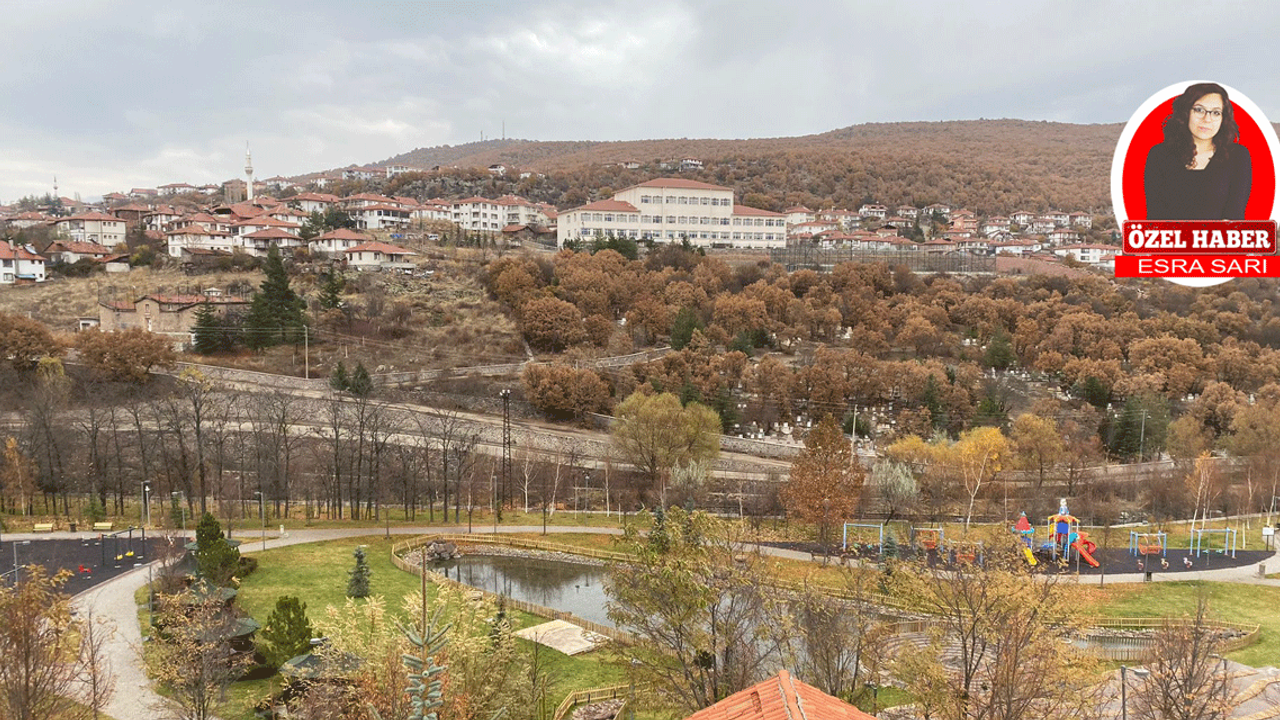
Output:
(90, 560)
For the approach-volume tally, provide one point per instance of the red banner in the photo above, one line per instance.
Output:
(1197, 266)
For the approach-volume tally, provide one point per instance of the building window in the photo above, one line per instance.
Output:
(706, 201)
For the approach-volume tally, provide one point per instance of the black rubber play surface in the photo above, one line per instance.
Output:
(90, 560)
(1112, 561)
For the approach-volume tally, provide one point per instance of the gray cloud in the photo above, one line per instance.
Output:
(110, 95)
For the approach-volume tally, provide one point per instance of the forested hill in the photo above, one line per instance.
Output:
(989, 166)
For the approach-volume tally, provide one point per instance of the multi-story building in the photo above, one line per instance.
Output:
(672, 210)
(93, 227)
(20, 264)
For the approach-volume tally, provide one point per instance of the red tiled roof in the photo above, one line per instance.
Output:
(748, 210)
(80, 248)
(92, 215)
(781, 697)
(194, 229)
(316, 197)
(265, 221)
(680, 184)
(381, 247)
(379, 206)
(20, 252)
(343, 234)
(610, 206)
(273, 233)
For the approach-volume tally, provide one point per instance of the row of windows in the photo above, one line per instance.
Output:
(682, 220)
(676, 235)
(686, 200)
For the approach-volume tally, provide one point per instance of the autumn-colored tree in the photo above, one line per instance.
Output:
(563, 391)
(17, 477)
(979, 455)
(192, 656)
(125, 355)
(1003, 629)
(1187, 679)
(694, 598)
(24, 341)
(47, 652)
(550, 324)
(1037, 444)
(655, 433)
(826, 479)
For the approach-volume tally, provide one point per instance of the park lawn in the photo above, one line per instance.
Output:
(1234, 602)
(317, 574)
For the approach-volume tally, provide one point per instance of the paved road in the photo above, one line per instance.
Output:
(134, 699)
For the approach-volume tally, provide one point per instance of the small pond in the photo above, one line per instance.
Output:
(569, 587)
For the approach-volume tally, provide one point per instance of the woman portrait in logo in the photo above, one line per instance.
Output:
(1200, 171)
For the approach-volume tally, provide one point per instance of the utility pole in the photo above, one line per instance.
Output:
(506, 451)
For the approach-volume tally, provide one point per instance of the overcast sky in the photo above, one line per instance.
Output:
(110, 95)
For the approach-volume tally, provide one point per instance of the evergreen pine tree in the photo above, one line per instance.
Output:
(331, 285)
(999, 353)
(339, 380)
(216, 560)
(276, 313)
(208, 334)
(890, 546)
(287, 633)
(358, 584)
(361, 385)
(682, 328)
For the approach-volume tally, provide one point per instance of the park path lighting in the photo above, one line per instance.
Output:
(1124, 687)
(182, 508)
(144, 517)
(262, 513)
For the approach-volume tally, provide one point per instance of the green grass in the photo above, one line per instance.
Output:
(1233, 602)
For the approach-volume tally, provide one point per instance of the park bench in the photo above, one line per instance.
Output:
(102, 527)
(43, 527)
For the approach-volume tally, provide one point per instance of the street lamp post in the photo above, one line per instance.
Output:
(1124, 688)
(182, 508)
(262, 513)
(144, 517)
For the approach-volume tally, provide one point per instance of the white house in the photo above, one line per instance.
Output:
(20, 264)
(1087, 254)
(93, 227)
(260, 242)
(70, 251)
(197, 236)
(336, 241)
(378, 256)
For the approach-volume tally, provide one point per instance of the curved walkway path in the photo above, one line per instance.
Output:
(113, 600)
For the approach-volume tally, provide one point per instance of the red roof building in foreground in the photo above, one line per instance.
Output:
(781, 697)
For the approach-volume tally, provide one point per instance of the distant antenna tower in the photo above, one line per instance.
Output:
(248, 172)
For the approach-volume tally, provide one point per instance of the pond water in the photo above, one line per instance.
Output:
(565, 586)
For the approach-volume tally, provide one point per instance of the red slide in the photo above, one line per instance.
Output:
(1084, 554)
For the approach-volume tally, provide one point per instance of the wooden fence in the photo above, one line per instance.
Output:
(1138, 648)
(1121, 648)
(581, 697)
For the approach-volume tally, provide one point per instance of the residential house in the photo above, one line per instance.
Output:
(28, 219)
(907, 211)
(363, 173)
(67, 252)
(1059, 218)
(689, 163)
(337, 241)
(177, 189)
(131, 214)
(309, 202)
(20, 264)
(93, 227)
(941, 209)
(1088, 254)
(260, 242)
(1081, 219)
(798, 215)
(781, 697)
(170, 315)
(378, 256)
(163, 218)
(1022, 217)
(994, 225)
(873, 210)
(196, 235)
(1059, 236)
(964, 221)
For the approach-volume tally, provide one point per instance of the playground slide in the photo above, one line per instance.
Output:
(1031, 558)
(1084, 554)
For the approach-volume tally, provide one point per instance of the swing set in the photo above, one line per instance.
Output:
(1156, 543)
(858, 535)
(929, 538)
